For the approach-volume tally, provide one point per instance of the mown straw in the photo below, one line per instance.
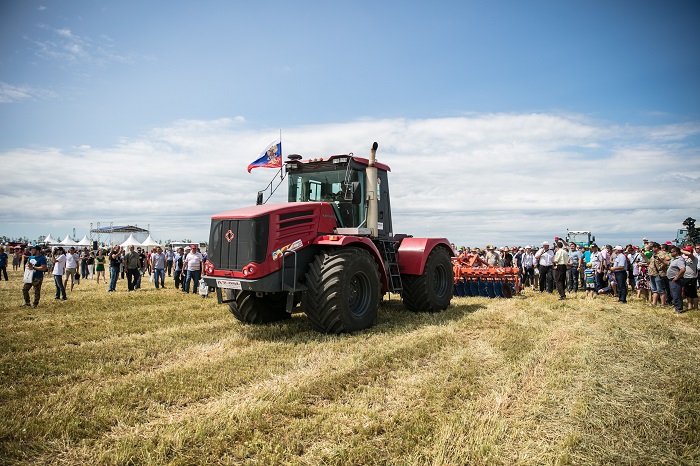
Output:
(158, 377)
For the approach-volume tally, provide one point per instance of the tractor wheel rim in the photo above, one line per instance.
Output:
(440, 281)
(358, 297)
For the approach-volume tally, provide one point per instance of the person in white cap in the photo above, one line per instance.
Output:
(545, 260)
(619, 267)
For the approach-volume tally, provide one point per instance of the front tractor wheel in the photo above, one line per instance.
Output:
(343, 291)
(253, 309)
(431, 291)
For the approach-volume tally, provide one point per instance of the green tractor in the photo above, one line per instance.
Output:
(580, 238)
(688, 236)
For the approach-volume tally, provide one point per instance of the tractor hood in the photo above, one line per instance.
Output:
(266, 209)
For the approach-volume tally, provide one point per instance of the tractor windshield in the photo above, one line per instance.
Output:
(581, 238)
(330, 186)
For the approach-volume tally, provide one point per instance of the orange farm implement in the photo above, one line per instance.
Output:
(474, 277)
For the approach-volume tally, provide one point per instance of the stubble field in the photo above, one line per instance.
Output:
(157, 377)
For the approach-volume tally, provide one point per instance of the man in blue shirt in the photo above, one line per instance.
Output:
(37, 263)
(575, 258)
(586, 258)
(3, 262)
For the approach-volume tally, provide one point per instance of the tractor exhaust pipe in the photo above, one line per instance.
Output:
(372, 207)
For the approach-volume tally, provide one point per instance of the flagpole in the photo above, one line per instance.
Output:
(281, 157)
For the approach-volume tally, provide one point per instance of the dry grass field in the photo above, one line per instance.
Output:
(157, 377)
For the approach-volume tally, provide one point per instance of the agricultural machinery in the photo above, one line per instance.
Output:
(580, 238)
(329, 252)
(474, 277)
(688, 235)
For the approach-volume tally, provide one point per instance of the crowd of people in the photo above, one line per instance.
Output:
(185, 265)
(662, 274)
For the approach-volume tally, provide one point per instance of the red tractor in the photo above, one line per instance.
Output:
(330, 252)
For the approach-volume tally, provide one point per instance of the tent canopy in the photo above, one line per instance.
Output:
(49, 240)
(68, 242)
(131, 241)
(150, 242)
(85, 241)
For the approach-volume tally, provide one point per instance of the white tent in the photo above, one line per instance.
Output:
(85, 241)
(67, 241)
(49, 240)
(130, 241)
(149, 243)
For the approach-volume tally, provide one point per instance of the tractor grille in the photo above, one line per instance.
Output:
(234, 243)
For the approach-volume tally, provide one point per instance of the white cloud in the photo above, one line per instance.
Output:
(499, 178)
(66, 49)
(10, 93)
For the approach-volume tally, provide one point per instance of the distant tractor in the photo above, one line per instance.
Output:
(329, 252)
(580, 238)
(688, 236)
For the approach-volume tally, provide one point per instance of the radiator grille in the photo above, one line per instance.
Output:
(233, 243)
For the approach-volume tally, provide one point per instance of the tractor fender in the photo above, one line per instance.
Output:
(358, 242)
(413, 253)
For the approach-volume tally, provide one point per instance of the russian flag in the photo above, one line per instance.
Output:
(271, 157)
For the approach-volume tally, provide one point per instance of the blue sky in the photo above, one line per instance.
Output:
(503, 121)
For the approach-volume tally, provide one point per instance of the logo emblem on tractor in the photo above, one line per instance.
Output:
(229, 236)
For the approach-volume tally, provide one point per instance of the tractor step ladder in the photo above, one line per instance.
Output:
(388, 251)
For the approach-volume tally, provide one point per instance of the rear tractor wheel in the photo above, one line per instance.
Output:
(431, 291)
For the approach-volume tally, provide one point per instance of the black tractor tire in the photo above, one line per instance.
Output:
(432, 290)
(343, 291)
(252, 309)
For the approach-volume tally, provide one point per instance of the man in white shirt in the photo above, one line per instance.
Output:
(72, 260)
(193, 268)
(59, 268)
(561, 262)
(545, 260)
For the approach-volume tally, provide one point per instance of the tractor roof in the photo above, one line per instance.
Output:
(357, 159)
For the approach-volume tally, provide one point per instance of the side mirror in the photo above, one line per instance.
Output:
(352, 192)
(259, 200)
(592, 239)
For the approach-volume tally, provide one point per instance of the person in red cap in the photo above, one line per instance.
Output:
(691, 277)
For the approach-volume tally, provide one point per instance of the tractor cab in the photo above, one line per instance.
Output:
(341, 181)
(580, 238)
